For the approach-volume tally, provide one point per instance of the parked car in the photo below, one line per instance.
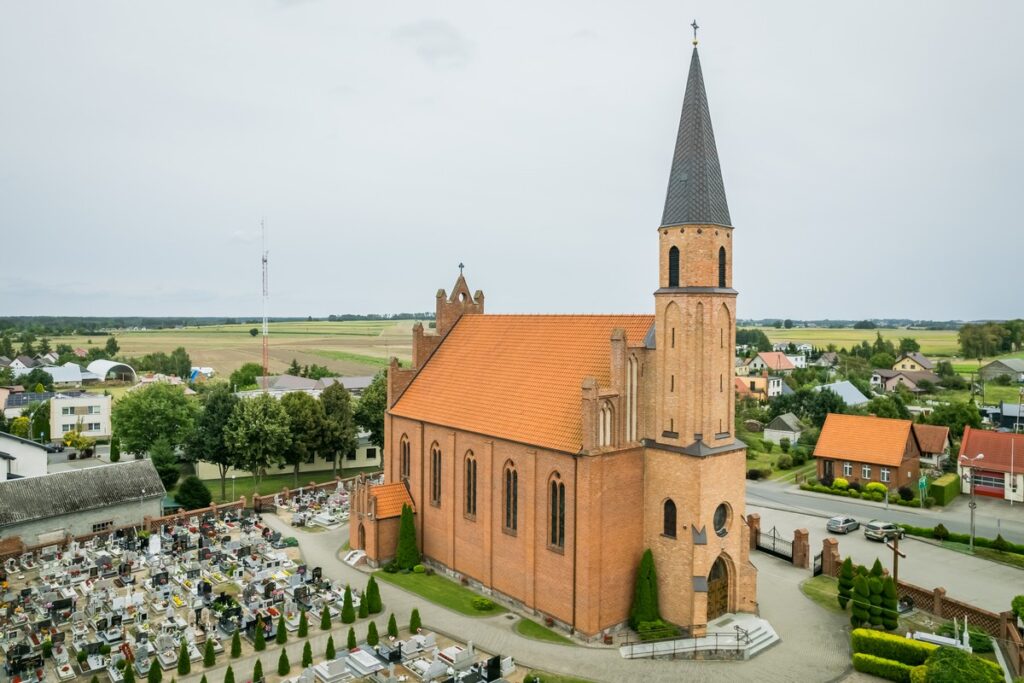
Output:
(842, 525)
(878, 530)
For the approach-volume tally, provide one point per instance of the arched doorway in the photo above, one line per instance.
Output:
(362, 537)
(718, 589)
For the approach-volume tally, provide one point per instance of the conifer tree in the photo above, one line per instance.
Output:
(94, 679)
(155, 674)
(352, 638)
(184, 663)
(860, 602)
(876, 569)
(373, 596)
(282, 631)
(229, 675)
(890, 604)
(129, 674)
(203, 679)
(330, 653)
(846, 574)
(259, 641)
(303, 625)
(645, 596)
(414, 621)
(209, 655)
(875, 610)
(236, 645)
(283, 665)
(364, 607)
(407, 555)
(348, 613)
(325, 619)
(392, 626)
(257, 671)
(307, 655)
(371, 635)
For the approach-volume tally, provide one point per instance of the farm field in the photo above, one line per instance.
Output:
(348, 348)
(933, 342)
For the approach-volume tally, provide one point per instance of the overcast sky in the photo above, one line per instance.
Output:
(873, 154)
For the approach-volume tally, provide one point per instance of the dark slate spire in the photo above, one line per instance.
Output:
(696, 193)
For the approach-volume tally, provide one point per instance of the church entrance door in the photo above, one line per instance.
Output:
(718, 590)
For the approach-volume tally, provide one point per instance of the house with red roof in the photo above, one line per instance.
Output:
(772, 361)
(865, 449)
(1000, 473)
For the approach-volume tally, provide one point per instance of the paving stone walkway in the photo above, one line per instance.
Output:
(814, 643)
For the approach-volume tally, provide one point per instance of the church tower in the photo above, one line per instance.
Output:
(695, 467)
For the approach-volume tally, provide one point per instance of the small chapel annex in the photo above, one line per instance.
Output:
(542, 454)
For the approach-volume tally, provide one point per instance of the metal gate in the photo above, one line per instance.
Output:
(774, 544)
(818, 566)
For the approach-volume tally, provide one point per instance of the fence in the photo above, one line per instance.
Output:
(774, 544)
(266, 503)
(936, 602)
(1013, 642)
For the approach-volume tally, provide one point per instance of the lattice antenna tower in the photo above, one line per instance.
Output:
(266, 295)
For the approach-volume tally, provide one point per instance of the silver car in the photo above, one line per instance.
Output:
(842, 525)
(878, 530)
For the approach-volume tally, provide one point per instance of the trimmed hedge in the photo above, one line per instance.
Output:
(889, 646)
(963, 539)
(883, 668)
(945, 488)
(846, 493)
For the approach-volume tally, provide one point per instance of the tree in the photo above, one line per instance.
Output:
(41, 422)
(115, 449)
(207, 442)
(340, 436)
(875, 600)
(245, 376)
(882, 360)
(864, 325)
(294, 369)
(259, 641)
(845, 582)
(236, 645)
(21, 426)
(192, 494)
(372, 638)
(281, 637)
(257, 433)
(303, 625)
(257, 671)
(890, 604)
(861, 601)
(37, 376)
(111, 347)
(352, 638)
(372, 596)
(407, 554)
(155, 675)
(307, 655)
(891, 406)
(787, 323)
(129, 674)
(325, 619)
(392, 626)
(209, 656)
(283, 665)
(348, 612)
(165, 462)
(184, 663)
(645, 595)
(253, 331)
(306, 421)
(203, 679)
(159, 411)
(370, 410)
(909, 345)
(956, 416)
(229, 675)
(414, 621)
(364, 608)
(330, 652)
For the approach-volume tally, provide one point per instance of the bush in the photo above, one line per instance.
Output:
(1017, 605)
(348, 612)
(906, 493)
(877, 497)
(855, 494)
(1000, 544)
(845, 582)
(929, 502)
(414, 621)
(364, 607)
(392, 626)
(883, 668)
(821, 488)
(980, 641)
(876, 487)
(945, 488)
(826, 481)
(104, 649)
(784, 444)
(419, 569)
(753, 475)
(855, 486)
(840, 484)
(81, 656)
(645, 592)
(373, 601)
(372, 638)
(482, 604)
(407, 554)
(785, 462)
(656, 630)
(799, 456)
(392, 567)
(330, 653)
(940, 532)
(283, 665)
(950, 665)
(352, 638)
(307, 655)
(115, 449)
(890, 646)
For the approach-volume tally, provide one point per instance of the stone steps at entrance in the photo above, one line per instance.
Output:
(723, 641)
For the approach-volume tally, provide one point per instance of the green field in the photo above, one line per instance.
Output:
(273, 483)
(531, 629)
(439, 590)
(348, 348)
(933, 342)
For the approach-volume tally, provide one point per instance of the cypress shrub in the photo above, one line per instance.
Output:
(129, 674)
(876, 569)
(859, 614)
(236, 645)
(352, 638)
(371, 635)
(257, 671)
(303, 625)
(645, 595)
(414, 621)
(184, 664)
(875, 611)
(372, 596)
(209, 656)
(281, 637)
(364, 607)
(203, 679)
(307, 655)
(348, 613)
(283, 665)
(229, 675)
(330, 652)
(407, 555)
(259, 641)
(890, 604)
(325, 619)
(845, 582)
(392, 626)
(155, 674)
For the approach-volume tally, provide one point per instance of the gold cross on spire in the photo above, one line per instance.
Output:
(695, 27)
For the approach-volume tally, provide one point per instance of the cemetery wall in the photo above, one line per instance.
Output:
(82, 523)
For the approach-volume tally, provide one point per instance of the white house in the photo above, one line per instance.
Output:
(20, 458)
(785, 426)
(91, 411)
(798, 360)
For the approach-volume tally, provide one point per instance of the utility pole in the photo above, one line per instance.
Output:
(266, 293)
(894, 546)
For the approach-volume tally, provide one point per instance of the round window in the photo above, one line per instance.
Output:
(723, 516)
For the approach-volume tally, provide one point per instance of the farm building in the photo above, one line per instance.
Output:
(785, 426)
(1011, 367)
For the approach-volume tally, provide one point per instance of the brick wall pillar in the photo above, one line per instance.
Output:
(754, 524)
(938, 595)
(830, 557)
(801, 549)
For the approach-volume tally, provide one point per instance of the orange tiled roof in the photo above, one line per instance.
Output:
(390, 499)
(1004, 451)
(742, 387)
(518, 377)
(860, 438)
(931, 438)
(776, 360)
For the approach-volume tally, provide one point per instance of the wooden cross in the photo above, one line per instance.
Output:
(896, 555)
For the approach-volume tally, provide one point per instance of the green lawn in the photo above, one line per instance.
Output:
(273, 483)
(531, 629)
(439, 590)
(351, 357)
(1011, 559)
(536, 676)
(822, 590)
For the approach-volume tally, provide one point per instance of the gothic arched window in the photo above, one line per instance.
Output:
(470, 484)
(721, 266)
(435, 474)
(405, 458)
(673, 267)
(511, 498)
(669, 515)
(557, 505)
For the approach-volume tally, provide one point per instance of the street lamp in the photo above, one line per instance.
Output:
(970, 464)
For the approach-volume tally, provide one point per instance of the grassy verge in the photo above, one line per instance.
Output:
(823, 590)
(273, 483)
(351, 357)
(1011, 559)
(536, 676)
(532, 629)
(439, 590)
(807, 470)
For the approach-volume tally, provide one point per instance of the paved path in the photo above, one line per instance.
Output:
(814, 644)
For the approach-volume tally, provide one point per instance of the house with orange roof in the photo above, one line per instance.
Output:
(864, 449)
(1000, 474)
(772, 361)
(381, 503)
(544, 454)
(934, 443)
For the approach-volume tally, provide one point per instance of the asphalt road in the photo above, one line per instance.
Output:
(991, 517)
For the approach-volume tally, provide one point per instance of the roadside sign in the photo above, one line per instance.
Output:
(922, 484)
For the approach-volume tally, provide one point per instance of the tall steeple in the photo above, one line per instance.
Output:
(696, 194)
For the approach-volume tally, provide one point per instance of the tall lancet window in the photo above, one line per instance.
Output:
(673, 267)
(721, 267)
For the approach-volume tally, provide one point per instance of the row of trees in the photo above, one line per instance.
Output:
(991, 339)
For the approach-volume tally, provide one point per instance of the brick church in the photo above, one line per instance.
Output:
(542, 454)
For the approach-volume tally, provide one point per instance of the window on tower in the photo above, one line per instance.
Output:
(669, 525)
(721, 266)
(673, 267)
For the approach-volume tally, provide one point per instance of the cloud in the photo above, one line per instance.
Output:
(439, 44)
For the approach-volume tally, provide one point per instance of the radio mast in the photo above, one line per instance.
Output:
(266, 293)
